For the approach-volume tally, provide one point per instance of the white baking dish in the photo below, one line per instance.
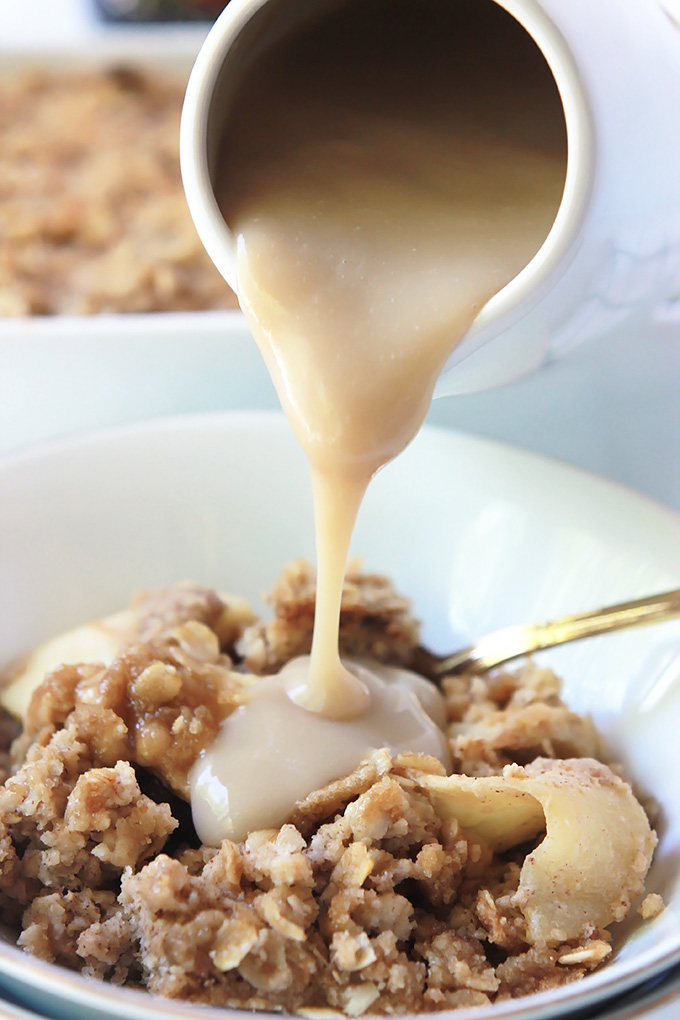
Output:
(61, 374)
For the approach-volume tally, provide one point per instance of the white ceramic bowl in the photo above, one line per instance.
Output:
(479, 534)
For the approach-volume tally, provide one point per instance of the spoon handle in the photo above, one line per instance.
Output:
(513, 642)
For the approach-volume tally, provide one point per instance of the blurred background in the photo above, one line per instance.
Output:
(110, 311)
(158, 10)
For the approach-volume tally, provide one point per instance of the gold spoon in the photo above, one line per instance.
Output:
(512, 642)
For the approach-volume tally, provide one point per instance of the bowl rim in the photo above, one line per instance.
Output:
(18, 970)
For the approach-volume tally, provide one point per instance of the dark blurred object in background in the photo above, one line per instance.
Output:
(159, 10)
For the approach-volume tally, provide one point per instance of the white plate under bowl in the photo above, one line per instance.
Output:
(480, 535)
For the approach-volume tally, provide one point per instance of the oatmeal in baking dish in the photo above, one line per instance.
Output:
(399, 887)
(92, 212)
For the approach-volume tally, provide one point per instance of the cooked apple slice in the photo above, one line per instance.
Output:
(596, 851)
(93, 642)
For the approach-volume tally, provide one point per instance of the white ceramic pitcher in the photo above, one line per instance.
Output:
(614, 249)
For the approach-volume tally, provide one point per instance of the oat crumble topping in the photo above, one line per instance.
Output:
(93, 217)
(368, 900)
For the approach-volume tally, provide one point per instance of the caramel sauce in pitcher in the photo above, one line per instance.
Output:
(386, 170)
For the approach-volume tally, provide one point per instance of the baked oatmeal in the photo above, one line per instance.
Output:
(395, 889)
(92, 211)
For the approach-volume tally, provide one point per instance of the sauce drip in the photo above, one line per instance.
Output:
(285, 755)
(386, 170)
